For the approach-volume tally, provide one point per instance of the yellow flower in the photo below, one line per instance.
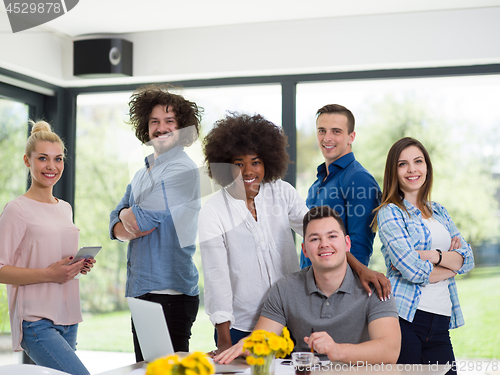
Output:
(260, 361)
(285, 333)
(261, 349)
(202, 364)
(251, 360)
(286, 349)
(248, 344)
(189, 362)
(259, 336)
(276, 343)
(205, 366)
(194, 364)
(162, 365)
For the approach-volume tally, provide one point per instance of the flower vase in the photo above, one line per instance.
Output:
(264, 365)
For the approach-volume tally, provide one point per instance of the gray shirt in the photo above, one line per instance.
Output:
(296, 301)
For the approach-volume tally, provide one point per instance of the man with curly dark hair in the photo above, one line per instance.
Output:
(245, 232)
(158, 214)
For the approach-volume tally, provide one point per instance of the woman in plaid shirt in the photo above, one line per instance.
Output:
(423, 252)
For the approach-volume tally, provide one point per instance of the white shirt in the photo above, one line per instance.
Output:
(242, 257)
(435, 297)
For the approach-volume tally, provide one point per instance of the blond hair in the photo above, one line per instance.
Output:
(41, 131)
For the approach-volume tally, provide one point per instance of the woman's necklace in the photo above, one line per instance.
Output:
(251, 208)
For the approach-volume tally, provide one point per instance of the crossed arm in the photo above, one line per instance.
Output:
(418, 266)
(451, 261)
(179, 184)
(127, 228)
(383, 347)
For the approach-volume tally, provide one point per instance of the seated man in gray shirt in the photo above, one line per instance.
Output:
(324, 305)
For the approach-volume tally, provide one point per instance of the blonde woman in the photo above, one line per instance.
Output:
(37, 242)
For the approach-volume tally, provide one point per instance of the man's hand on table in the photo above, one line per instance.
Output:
(322, 343)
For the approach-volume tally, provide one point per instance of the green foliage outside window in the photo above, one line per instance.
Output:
(463, 182)
(13, 131)
(102, 175)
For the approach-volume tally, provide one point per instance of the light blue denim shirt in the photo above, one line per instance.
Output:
(401, 235)
(166, 197)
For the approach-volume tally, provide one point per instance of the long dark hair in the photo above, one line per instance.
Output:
(391, 191)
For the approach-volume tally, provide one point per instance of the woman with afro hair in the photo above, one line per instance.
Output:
(244, 229)
(245, 232)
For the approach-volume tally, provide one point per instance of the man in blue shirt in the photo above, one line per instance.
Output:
(342, 183)
(158, 214)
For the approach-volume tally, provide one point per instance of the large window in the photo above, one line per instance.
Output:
(13, 131)
(107, 157)
(458, 111)
(13, 176)
(104, 145)
(456, 118)
(219, 101)
(458, 121)
(13, 179)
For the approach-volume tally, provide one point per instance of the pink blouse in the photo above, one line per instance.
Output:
(35, 235)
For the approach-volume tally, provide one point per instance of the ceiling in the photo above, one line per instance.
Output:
(90, 17)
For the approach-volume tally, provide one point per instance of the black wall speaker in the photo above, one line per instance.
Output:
(95, 58)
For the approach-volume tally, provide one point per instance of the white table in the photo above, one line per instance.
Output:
(338, 368)
(335, 368)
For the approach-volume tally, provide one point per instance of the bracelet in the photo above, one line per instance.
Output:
(440, 257)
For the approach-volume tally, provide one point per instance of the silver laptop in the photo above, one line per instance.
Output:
(151, 329)
(153, 335)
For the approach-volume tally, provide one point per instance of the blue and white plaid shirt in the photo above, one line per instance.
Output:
(401, 235)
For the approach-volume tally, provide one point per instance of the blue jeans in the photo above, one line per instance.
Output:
(51, 345)
(426, 340)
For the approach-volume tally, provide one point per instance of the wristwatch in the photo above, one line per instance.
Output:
(440, 257)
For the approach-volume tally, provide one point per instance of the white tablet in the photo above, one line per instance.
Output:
(86, 252)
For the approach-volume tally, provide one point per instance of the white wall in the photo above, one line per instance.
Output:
(34, 52)
(421, 39)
